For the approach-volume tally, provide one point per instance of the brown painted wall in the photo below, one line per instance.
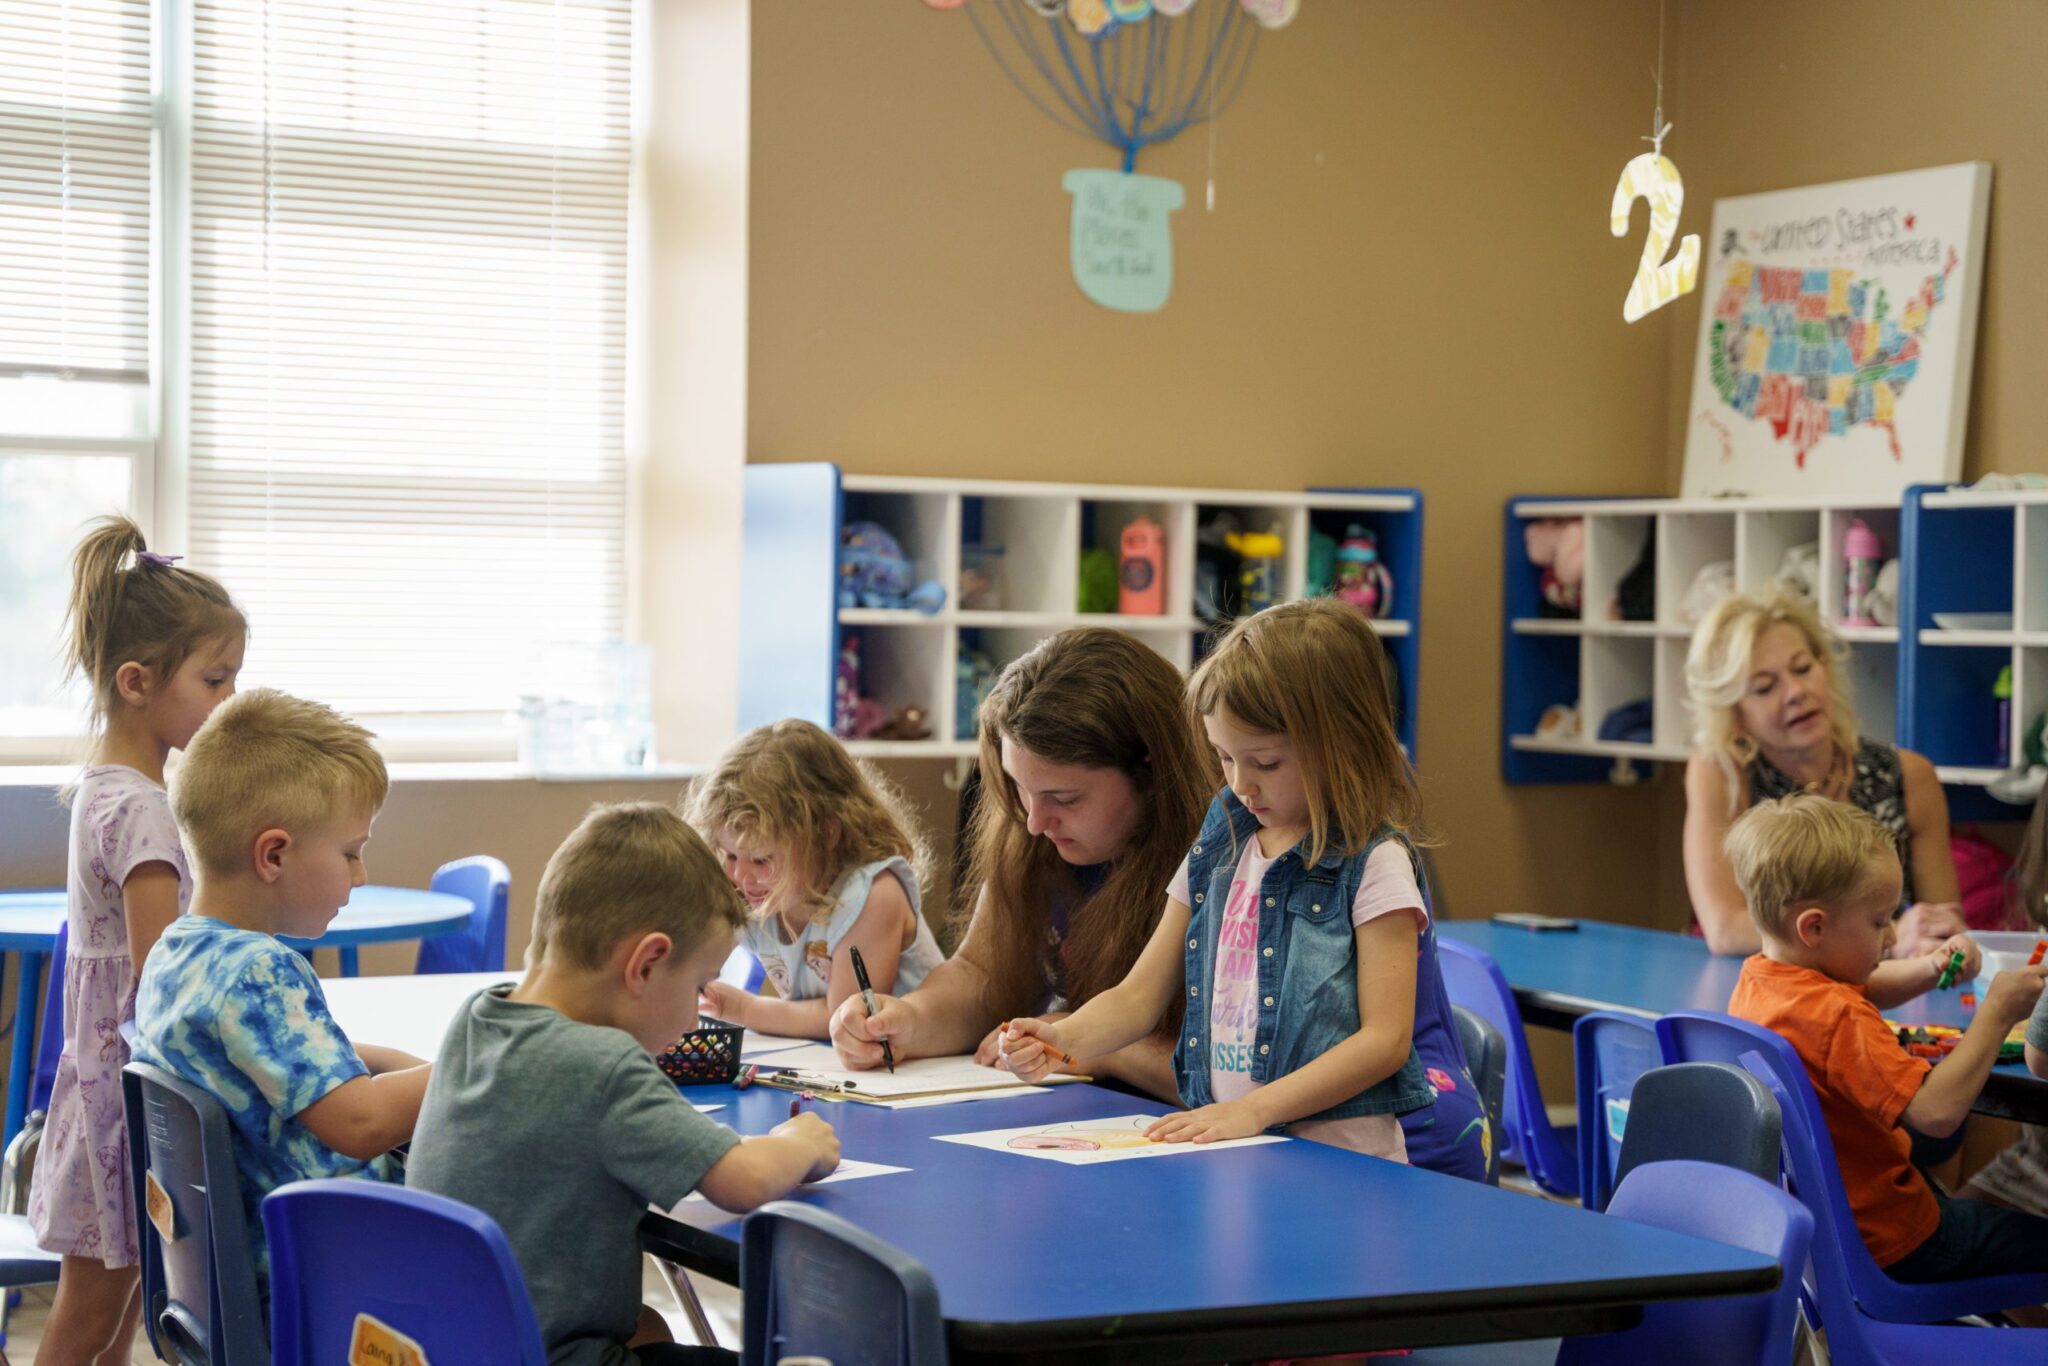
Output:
(1407, 280)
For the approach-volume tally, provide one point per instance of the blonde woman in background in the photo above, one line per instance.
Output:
(1771, 717)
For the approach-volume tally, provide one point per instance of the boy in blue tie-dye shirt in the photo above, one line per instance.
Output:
(274, 802)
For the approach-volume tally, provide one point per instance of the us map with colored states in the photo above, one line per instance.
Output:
(1837, 330)
(1815, 352)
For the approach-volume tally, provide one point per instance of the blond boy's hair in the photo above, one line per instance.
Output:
(630, 869)
(267, 760)
(1804, 850)
(1316, 672)
(790, 786)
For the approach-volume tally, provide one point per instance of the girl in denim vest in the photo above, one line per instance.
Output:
(1295, 932)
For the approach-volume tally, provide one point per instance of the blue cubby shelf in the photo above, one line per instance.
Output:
(792, 629)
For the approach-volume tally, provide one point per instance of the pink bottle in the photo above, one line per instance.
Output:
(1863, 554)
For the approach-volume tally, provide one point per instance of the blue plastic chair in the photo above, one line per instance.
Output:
(199, 1296)
(815, 1284)
(1703, 1112)
(49, 1047)
(479, 946)
(742, 969)
(1855, 1337)
(1475, 981)
(1726, 1206)
(1838, 1253)
(1609, 1052)
(436, 1270)
(1486, 1058)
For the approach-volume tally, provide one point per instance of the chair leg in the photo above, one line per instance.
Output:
(686, 1296)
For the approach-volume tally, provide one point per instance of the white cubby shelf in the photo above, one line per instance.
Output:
(792, 627)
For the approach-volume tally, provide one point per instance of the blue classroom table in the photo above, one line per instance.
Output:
(1559, 975)
(1286, 1249)
(28, 927)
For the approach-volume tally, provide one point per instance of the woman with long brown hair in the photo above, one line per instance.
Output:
(1094, 787)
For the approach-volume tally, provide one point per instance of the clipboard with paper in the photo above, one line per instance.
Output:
(818, 1069)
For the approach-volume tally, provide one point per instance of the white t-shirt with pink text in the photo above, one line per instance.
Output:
(1387, 884)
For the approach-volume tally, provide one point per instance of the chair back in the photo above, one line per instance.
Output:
(200, 1300)
(1475, 981)
(1726, 1206)
(426, 1268)
(1703, 1112)
(1609, 1051)
(1486, 1057)
(51, 1042)
(479, 946)
(814, 1284)
(1846, 1276)
(742, 969)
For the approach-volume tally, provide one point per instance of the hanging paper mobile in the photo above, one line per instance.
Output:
(1652, 176)
(1131, 73)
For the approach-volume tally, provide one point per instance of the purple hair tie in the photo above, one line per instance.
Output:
(151, 557)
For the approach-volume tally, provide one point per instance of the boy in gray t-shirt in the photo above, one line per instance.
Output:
(547, 1111)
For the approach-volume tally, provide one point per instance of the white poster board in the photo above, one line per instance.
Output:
(1837, 328)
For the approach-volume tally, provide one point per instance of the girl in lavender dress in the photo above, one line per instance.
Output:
(160, 647)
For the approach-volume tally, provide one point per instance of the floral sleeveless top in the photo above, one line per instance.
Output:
(1878, 786)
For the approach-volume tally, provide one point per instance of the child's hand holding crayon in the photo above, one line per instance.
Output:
(1032, 1049)
(818, 1136)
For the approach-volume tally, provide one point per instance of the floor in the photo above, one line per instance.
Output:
(721, 1305)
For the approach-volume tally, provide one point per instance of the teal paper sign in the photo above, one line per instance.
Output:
(1123, 238)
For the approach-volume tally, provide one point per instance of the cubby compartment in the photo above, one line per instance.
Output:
(1617, 672)
(1385, 535)
(2029, 704)
(1763, 540)
(1688, 542)
(921, 523)
(1954, 713)
(1546, 674)
(1036, 536)
(1873, 676)
(1965, 576)
(1259, 526)
(907, 666)
(2032, 570)
(1161, 577)
(1834, 556)
(1673, 722)
(1614, 546)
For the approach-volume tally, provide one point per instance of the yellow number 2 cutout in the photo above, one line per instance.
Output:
(1651, 176)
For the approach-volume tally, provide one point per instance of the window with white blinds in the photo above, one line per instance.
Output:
(408, 338)
(74, 188)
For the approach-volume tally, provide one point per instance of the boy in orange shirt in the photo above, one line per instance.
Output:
(1822, 881)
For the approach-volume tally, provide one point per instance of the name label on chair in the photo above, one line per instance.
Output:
(375, 1343)
(162, 1213)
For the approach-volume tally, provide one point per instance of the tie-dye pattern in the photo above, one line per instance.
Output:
(243, 1016)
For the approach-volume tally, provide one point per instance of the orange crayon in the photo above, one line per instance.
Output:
(1066, 1058)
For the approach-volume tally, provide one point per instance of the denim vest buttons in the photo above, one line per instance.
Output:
(1308, 990)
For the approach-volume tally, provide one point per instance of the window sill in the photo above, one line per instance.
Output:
(56, 775)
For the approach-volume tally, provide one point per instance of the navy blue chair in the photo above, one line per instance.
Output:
(1702, 1112)
(200, 1301)
(434, 1271)
(1486, 1058)
(479, 946)
(1609, 1051)
(814, 1284)
(1475, 981)
(1855, 1335)
(1839, 1255)
(1705, 1201)
(49, 1047)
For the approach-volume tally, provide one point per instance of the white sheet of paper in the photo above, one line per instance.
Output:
(752, 1043)
(956, 1098)
(706, 1109)
(820, 1064)
(1087, 1142)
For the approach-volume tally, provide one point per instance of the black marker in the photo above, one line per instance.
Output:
(867, 995)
